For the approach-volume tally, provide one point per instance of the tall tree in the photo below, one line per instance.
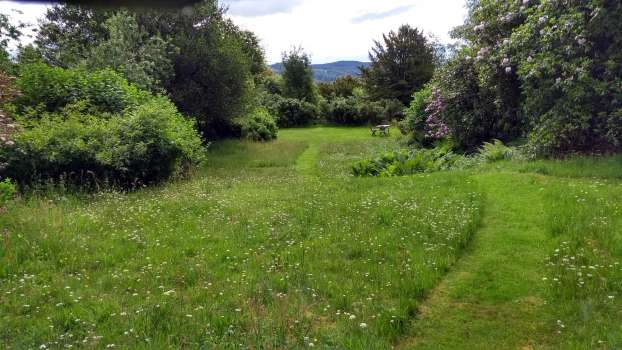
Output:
(144, 59)
(8, 32)
(213, 61)
(401, 65)
(67, 33)
(298, 76)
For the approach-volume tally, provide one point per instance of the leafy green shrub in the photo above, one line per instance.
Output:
(293, 112)
(259, 125)
(370, 111)
(415, 116)
(344, 111)
(147, 144)
(49, 89)
(152, 143)
(392, 109)
(406, 162)
(7, 192)
(495, 151)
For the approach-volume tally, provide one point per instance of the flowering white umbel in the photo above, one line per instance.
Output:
(363, 325)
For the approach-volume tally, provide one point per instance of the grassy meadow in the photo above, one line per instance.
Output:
(276, 246)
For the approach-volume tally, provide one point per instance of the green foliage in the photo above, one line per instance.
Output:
(144, 60)
(68, 33)
(29, 54)
(344, 111)
(495, 151)
(469, 106)
(8, 33)
(407, 162)
(415, 116)
(298, 76)
(213, 78)
(147, 144)
(401, 65)
(50, 89)
(206, 64)
(7, 192)
(424, 160)
(292, 112)
(392, 110)
(569, 58)
(259, 125)
(341, 87)
(549, 69)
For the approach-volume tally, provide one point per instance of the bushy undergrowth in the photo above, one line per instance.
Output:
(146, 144)
(49, 89)
(293, 112)
(424, 160)
(495, 151)
(7, 192)
(259, 125)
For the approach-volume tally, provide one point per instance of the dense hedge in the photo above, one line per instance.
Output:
(48, 89)
(94, 128)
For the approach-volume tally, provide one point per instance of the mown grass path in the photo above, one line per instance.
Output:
(306, 162)
(493, 298)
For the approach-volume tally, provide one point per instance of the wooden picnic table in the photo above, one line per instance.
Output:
(383, 128)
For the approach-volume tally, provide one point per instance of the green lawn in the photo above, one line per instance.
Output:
(276, 246)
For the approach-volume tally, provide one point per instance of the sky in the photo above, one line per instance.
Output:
(329, 30)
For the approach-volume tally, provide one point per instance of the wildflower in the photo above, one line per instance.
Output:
(363, 325)
(352, 317)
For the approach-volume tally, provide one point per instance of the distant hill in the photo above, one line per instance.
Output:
(329, 71)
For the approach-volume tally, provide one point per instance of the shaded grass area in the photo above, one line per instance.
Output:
(248, 254)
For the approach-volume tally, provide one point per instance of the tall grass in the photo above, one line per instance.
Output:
(585, 275)
(248, 255)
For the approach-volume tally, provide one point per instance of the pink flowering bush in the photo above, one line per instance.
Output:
(550, 70)
(435, 126)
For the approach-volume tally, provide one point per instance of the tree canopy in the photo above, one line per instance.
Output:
(401, 64)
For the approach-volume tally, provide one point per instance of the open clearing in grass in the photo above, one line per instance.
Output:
(275, 245)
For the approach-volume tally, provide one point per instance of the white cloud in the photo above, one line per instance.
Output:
(25, 13)
(251, 8)
(380, 15)
(333, 30)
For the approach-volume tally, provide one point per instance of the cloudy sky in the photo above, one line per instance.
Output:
(329, 30)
